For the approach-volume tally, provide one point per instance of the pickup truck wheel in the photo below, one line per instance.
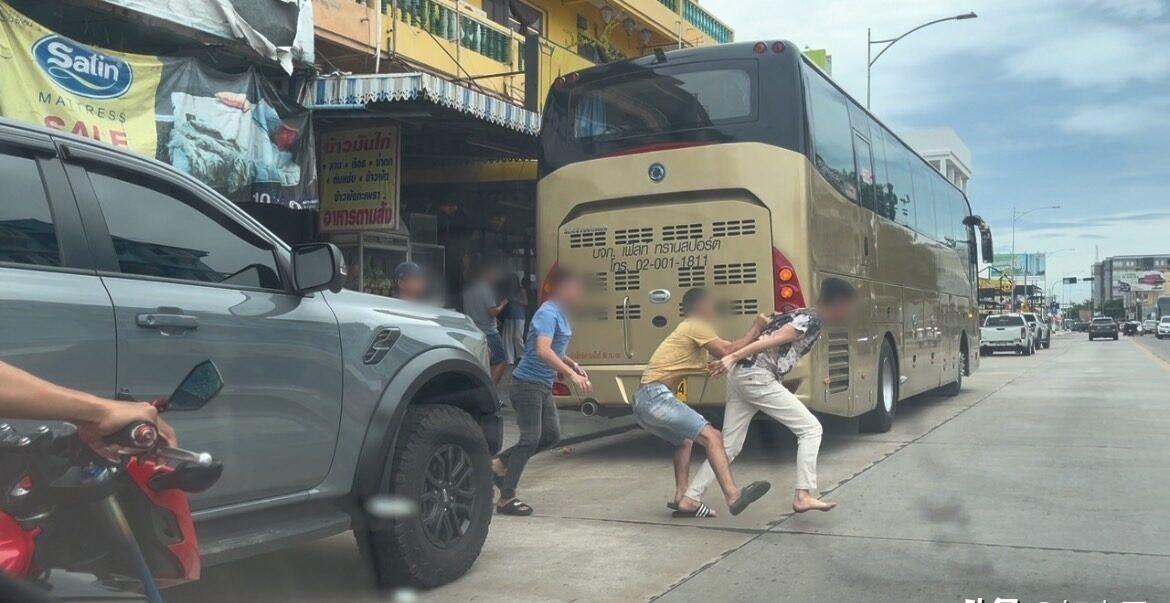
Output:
(881, 418)
(442, 464)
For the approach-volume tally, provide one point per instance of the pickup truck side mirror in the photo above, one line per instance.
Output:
(318, 266)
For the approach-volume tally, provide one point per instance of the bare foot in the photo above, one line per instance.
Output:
(498, 468)
(801, 504)
(688, 505)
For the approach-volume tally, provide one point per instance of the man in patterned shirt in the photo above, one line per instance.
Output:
(755, 382)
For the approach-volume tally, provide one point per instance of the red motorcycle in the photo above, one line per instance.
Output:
(63, 506)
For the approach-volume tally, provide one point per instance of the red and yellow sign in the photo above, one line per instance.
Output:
(359, 179)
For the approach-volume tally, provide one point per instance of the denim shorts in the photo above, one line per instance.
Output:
(659, 412)
(495, 345)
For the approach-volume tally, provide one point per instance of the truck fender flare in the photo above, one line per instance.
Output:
(382, 433)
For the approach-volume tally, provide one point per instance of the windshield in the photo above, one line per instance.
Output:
(1004, 321)
(665, 100)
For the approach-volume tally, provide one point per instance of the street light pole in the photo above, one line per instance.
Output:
(869, 43)
(1016, 215)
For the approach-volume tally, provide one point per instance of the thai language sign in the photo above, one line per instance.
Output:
(233, 132)
(360, 175)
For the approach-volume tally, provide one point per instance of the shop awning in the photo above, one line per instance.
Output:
(358, 91)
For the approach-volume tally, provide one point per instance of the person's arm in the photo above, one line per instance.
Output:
(495, 310)
(546, 354)
(25, 396)
(784, 335)
(721, 347)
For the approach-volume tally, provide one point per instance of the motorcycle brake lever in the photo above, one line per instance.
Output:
(179, 455)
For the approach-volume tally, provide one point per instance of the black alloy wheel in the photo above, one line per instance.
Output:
(448, 496)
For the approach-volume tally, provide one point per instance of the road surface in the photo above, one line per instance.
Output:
(1046, 479)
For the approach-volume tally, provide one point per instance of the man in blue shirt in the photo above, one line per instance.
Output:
(532, 381)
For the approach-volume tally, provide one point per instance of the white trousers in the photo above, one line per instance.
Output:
(751, 390)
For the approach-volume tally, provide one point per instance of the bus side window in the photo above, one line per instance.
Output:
(832, 135)
(902, 197)
(924, 202)
(883, 202)
(866, 180)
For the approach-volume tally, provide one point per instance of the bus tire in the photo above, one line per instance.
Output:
(881, 418)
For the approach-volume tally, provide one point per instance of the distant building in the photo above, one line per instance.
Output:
(945, 151)
(1137, 280)
(821, 58)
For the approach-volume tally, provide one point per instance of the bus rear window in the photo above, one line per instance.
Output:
(665, 99)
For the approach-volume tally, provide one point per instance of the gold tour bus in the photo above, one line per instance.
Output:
(742, 168)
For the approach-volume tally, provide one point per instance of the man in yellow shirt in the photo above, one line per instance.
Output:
(685, 352)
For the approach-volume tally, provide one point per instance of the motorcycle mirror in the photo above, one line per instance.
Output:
(198, 387)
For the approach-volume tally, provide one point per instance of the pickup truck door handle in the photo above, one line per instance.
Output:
(167, 321)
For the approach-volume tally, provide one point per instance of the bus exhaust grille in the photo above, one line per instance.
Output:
(682, 232)
(838, 361)
(587, 238)
(626, 236)
(627, 281)
(743, 307)
(733, 228)
(692, 276)
(600, 281)
(735, 274)
(630, 312)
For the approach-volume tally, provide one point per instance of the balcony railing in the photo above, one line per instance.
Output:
(705, 22)
(445, 22)
(671, 4)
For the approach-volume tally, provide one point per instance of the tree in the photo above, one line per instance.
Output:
(1114, 308)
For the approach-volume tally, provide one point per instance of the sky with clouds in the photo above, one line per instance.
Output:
(1062, 102)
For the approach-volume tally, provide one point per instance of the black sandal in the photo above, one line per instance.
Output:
(514, 507)
(700, 512)
(750, 494)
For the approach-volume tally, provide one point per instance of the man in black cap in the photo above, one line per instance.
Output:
(410, 282)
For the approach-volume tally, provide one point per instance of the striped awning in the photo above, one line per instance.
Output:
(357, 91)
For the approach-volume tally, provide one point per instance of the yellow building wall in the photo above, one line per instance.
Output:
(352, 23)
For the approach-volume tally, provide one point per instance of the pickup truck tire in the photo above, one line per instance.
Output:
(881, 418)
(442, 464)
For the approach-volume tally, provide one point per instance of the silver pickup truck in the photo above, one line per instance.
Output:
(1006, 333)
(118, 274)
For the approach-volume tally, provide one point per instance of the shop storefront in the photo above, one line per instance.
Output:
(416, 167)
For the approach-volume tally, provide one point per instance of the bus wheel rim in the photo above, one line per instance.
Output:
(887, 384)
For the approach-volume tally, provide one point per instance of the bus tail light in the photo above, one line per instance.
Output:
(760, 48)
(777, 47)
(567, 80)
(788, 295)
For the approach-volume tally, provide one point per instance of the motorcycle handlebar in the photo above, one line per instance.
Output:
(142, 435)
